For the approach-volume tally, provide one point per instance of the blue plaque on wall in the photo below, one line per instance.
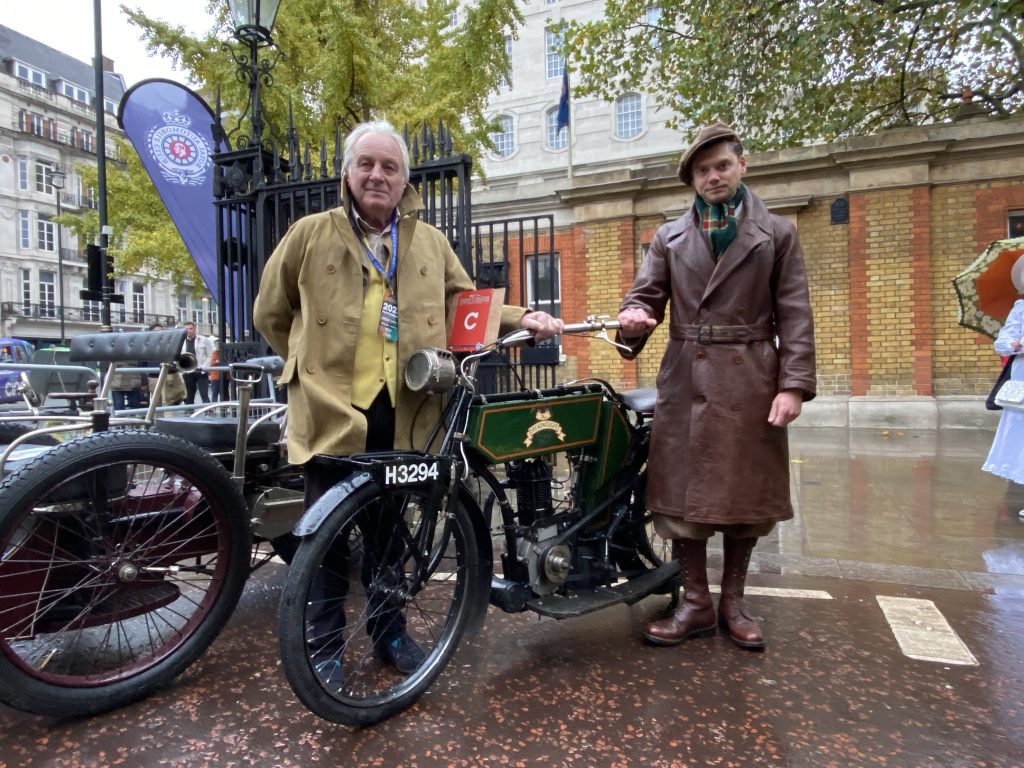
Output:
(840, 211)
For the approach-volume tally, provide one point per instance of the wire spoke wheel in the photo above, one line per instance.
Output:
(378, 569)
(123, 554)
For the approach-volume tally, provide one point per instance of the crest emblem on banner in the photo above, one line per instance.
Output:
(182, 154)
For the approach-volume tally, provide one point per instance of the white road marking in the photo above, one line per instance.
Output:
(806, 594)
(923, 632)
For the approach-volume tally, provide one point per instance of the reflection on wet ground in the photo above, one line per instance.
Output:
(884, 521)
(905, 507)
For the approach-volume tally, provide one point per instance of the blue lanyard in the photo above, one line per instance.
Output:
(389, 274)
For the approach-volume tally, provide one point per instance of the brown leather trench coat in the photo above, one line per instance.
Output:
(308, 309)
(714, 457)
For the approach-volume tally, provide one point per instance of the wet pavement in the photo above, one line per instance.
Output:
(891, 527)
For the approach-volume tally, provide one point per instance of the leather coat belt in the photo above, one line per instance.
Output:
(722, 334)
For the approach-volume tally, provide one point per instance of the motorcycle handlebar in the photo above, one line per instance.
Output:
(590, 325)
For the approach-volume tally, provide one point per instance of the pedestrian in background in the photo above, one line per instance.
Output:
(218, 379)
(198, 379)
(173, 390)
(1006, 456)
(738, 365)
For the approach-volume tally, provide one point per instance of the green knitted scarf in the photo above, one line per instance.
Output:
(718, 220)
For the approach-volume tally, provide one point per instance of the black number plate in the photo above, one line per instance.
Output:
(412, 470)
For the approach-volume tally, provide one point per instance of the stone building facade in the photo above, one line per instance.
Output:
(48, 124)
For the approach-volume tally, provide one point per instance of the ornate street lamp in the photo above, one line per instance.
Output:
(57, 179)
(253, 20)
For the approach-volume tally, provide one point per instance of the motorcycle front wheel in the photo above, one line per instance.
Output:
(122, 555)
(363, 579)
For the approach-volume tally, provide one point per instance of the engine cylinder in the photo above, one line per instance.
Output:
(532, 480)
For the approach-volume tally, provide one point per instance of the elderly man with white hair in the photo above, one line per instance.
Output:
(346, 298)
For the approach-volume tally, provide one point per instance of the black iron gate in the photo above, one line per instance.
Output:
(259, 193)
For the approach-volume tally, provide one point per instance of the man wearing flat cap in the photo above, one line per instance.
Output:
(738, 365)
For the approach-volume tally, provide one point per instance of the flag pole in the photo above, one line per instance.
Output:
(568, 146)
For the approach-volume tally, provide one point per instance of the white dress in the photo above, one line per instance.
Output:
(1006, 457)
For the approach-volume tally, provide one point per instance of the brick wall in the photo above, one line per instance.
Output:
(884, 307)
(826, 257)
(963, 361)
(922, 205)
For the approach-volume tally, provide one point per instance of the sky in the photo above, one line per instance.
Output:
(67, 25)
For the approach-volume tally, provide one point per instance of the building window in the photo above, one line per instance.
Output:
(36, 123)
(75, 93)
(44, 182)
(183, 308)
(26, 292)
(25, 229)
(543, 286)
(22, 173)
(138, 303)
(504, 141)
(44, 233)
(556, 137)
(628, 116)
(85, 141)
(110, 107)
(47, 294)
(506, 82)
(653, 21)
(1015, 224)
(32, 75)
(90, 307)
(554, 61)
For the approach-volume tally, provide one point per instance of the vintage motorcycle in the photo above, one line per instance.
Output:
(405, 545)
(124, 551)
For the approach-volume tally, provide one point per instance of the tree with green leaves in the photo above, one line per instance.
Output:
(785, 72)
(344, 62)
(347, 61)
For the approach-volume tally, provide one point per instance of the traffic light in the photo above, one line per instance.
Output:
(94, 268)
(97, 268)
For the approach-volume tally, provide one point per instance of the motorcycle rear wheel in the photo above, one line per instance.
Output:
(331, 602)
(122, 555)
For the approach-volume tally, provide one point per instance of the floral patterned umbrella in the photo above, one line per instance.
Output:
(985, 289)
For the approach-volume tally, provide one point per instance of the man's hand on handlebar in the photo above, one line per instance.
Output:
(634, 321)
(541, 325)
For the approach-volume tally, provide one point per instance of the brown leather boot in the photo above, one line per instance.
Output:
(732, 613)
(696, 615)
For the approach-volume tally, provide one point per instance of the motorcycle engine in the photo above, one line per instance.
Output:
(548, 563)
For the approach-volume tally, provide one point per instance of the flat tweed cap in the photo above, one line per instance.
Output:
(705, 137)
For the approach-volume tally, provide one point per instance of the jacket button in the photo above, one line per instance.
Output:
(737, 359)
(310, 369)
(431, 320)
(699, 399)
(321, 319)
(423, 270)
(331, 268)
(700, 355)
(734, 407)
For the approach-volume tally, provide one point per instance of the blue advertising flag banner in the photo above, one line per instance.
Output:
(563, 103)
(170, 127)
